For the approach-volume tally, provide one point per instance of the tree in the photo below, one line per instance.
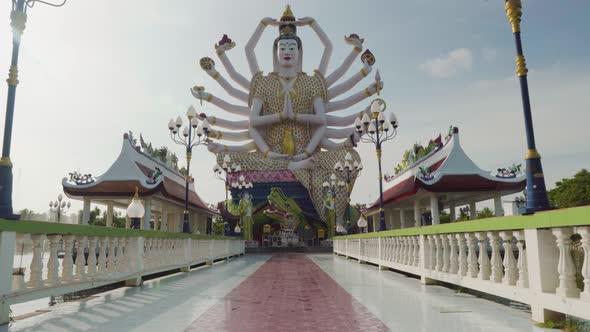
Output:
(463, 215)
(572, 192)
(445, 217)
(485, 213)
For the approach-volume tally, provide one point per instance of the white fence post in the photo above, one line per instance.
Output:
(187, 255)
(134, 264)
(7, 244)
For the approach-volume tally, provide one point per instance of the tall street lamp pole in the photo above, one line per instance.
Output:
(58, 207)
(377, 130)
(18, 18)
(193, 134)
(537, 199)
(348, 172)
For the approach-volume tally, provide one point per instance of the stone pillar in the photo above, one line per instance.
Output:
(402, 218)
(453, 215)
(417, 214)
(434, 210)
(110, 214)
(472, 210)
(147, 217)
(164, 219)
(498, 210)
(157, 216)
(86, 211)
(127, 222)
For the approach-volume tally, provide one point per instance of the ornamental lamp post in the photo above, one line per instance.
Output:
(18, 19)
(58, 207)
(334, 187)
(362, 223)
(537, 199)
(377, 129)
(347, 172)
(193, 134)
(227, 167)
(135, 210)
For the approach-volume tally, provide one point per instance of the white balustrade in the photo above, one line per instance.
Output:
(99, 260)
(495, 262)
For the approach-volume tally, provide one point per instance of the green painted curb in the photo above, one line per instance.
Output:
(40, 227)
(578, 216)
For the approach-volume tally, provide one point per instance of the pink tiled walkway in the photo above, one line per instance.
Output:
(288, 293)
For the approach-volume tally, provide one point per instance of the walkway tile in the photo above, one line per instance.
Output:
(288, 293)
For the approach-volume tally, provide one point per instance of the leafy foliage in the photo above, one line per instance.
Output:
(414, 154)
(485, 213)
(572, 192)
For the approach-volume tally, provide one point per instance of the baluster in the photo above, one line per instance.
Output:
(92, 256)
(445, 249)
(395, 249)
(53, 262)
(454, 261)
(462, 270)
(129, 255)
(416, 251)
(585, 234)
(496, 260)
(111, 258)
(431, 253)
(439, 252)
(148, 253)
(392, 249)
(67, 268)
(80, 259)
(102, 256)
(472, 268)
(119, 258)
(36, 277)
(509, 262)
(159, 255)
(567, 284)
(484, 260)
(409, 251)
(523, 272)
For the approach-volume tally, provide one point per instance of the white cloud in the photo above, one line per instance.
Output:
(454, 62)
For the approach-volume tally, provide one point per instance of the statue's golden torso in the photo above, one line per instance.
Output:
(269, 90)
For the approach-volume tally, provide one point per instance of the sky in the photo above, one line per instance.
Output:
(92, 70)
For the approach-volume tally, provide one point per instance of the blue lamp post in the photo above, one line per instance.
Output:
(193, 134)
(537, 199)
(18, 18)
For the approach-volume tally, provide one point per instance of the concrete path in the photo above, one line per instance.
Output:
(288, 292)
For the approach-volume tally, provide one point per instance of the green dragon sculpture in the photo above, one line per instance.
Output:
(284, 210)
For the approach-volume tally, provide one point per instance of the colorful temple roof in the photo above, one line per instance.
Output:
(447, 169)
(134, 168)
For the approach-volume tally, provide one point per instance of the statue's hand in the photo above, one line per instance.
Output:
(354, 40)
(303, 21)
(269, 21)
(367, 67)
(373, 87)
(299, 157)
(201, 95)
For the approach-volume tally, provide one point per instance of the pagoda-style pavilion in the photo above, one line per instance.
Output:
(444, 178)
(160, 186)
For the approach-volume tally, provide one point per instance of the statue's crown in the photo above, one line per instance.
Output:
(287, 15)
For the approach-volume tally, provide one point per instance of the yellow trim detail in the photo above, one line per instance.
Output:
(358, 49)
(262, 22)
(521, 69)
(12, 76)
(216, 75)
(5, 162)
(368, 92)
(295, 116)
(209, 98)
(538, 175)
(363, 72)
(213, 120)
(532, 154)
(513, 13)
(220, 53)
(265, 153)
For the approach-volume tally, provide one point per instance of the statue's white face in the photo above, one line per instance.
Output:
(288, 53)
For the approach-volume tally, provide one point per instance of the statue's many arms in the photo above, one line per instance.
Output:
(287, 121)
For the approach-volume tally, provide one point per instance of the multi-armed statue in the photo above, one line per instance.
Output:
(288, 125)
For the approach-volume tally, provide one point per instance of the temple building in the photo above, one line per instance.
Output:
(161, 188)
(437, 177)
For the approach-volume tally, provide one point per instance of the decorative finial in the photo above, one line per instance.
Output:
(287, 15)
(136, 196)
(513, 12)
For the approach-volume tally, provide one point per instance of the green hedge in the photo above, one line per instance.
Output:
(548, 219)
(40, 227)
